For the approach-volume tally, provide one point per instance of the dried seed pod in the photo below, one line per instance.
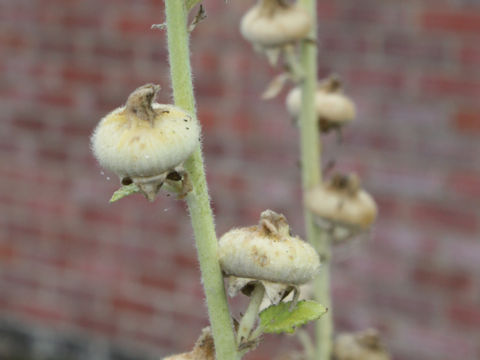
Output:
(143, 141)
(275, 23)
(204, 349)
(332, 107)
(268, 252)
(360, 346)
(341, 206)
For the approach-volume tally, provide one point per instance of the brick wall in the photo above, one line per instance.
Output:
(80, 278)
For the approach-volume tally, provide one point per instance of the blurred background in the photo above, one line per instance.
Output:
(84, 279)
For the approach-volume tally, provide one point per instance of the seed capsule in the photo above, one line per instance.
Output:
(272, 24)
(143, 141)
(332, 107)
(341, 206)
(268, 252)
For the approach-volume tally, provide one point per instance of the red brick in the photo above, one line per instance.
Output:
(60, 46)
(82, 75)
(376, 78)
(138, 25)
(102, 216)
(57, 155)
(441, 216)
(467, 121)
(114, 52)
(184, 261)
(452, 280)
(451, 20)
(76, 21)
(387, 207)
(105, 327)
(466, 183)
(7, 253)
(20, 280)
(470, 55)
(362, 13)
(61, 98)
(47, 206)
(465, 315)
(326, 10)
(29, 123)
(13, 41)
(132, 305)
(23, 229)
(404, 305)
(39, 312)
(208, 119)
(449, 86)
(76, 129)
(147, 337)
(159, 282)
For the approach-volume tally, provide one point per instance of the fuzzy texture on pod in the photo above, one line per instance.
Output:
(143, 138)
(268, 252)
(341, 201)
(360, 346)
(204, 349)
(273, 23)
(332, 107)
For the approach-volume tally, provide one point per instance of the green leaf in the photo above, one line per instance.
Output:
(279, 318)
(124, 191)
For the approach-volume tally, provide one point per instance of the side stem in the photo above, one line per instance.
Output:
(248, 320)
(198, 200)
(311, 176)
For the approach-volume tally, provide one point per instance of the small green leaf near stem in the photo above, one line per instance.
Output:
(280, 318)
(124, 191)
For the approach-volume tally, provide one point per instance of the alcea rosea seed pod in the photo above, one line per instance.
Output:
(341, 206)
(268, 252)
(272, 24)
(360, 346)
(143, 141)
(332, 107)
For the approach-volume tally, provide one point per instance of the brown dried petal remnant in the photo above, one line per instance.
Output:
(204, 349)
(365, 345)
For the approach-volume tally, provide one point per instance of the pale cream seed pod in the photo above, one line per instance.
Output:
(365, 345)
(341, 206)
(332, 107)
(143, 141)
(268, 252)
(273, 23)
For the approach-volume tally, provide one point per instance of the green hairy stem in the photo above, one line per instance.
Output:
(311, 176)
(198, 200)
